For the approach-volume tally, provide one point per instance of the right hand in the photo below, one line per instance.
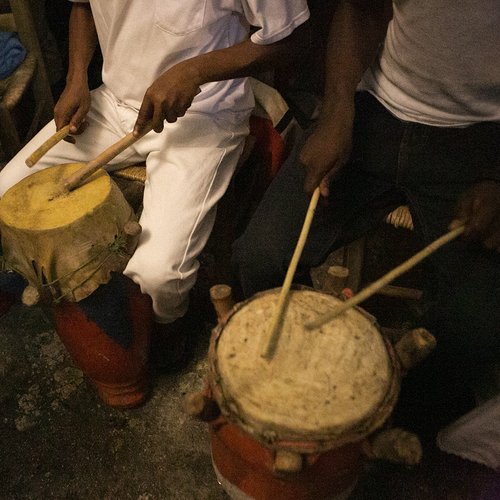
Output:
(72, 108)
(328, 148)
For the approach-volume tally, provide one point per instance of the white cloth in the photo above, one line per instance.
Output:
(439, 64)
(476, 435)
(188, 165)
(141, 39)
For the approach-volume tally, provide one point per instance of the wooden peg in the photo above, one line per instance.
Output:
(222, 300)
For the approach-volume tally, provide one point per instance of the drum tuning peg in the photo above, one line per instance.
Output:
(287, 462)
(221, 297)
(394, 445)
(132, 230)
(201, 407)
(414, 346)
(335, 279)
(30, 296)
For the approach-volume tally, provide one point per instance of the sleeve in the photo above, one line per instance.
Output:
(274, 19)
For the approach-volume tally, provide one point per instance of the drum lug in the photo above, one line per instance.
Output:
(200, 406)
(132, 230)
(414, 346)
(30, 296)
(394, 445)
(222, 300)
(287, 463)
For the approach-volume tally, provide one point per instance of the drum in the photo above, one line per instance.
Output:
(64, 244)
(68, 246)
(296, 427)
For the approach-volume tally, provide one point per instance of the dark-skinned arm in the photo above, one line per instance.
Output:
(170, 95)
(357, 29)
(479, 208)
(74, 103)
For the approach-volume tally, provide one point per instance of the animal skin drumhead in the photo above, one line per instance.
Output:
(323, 382)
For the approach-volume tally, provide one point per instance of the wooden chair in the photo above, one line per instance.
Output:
(29, 81)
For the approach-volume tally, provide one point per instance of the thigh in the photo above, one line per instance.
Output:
(189, 167)
(438, 167)
(106, 126)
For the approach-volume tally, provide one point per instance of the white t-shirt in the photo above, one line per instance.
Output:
(440, 62)
(141, 39)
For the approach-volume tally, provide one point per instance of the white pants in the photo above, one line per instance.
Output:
(188, 168)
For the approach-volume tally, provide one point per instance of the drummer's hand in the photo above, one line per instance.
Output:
(479, 207)
(168, 98)
(72, 108)
(328, 148)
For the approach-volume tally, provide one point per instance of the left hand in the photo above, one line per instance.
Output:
(479, 209)
(168, 98)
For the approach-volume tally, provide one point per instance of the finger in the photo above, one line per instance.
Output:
(77, 120)
(144, 117)
(324, 187)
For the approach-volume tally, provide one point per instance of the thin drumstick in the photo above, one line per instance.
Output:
(74, 180)
(279, 312)
(47, 145)
(387, 278)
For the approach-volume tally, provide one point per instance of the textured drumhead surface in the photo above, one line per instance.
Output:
(320, 382)
(34, 202)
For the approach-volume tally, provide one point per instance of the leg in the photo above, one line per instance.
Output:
(360, 198)
(437, 166)
(187, 173)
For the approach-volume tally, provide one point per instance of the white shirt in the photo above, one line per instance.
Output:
(141, 39)
(440, 62)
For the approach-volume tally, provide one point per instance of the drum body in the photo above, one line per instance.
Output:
(294, 427)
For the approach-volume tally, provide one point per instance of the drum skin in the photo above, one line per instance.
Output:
(120, 374)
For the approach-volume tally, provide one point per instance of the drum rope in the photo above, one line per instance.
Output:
(118, 246)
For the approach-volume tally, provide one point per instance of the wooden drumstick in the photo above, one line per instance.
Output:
(74, 180)
(387, 278)
(279, 312)
(47, 145)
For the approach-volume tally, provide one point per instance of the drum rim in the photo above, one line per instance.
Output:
(288, 438)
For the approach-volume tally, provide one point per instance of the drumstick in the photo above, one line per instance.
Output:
(47, 145)
(75, 179)
(283, 297)
(387, 278)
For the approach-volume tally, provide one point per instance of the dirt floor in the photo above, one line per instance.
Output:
(59, 442)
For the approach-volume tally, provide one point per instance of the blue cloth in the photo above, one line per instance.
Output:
(12, 53)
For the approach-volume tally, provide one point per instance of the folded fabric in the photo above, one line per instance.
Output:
(476, 435)
(12, 53)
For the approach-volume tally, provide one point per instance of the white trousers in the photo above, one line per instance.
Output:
(188, 168)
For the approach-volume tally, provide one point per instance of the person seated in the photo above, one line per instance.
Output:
(182, 63)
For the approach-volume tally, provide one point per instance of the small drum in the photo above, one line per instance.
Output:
(294, 427)
(65, 245)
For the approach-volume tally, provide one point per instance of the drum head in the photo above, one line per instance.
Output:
(333, 383)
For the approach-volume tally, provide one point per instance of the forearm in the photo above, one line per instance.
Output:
(82, 42)
(358, 27)
(248, 58)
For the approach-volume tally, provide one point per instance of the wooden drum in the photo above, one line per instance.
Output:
(67, 244)
(295, 427)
